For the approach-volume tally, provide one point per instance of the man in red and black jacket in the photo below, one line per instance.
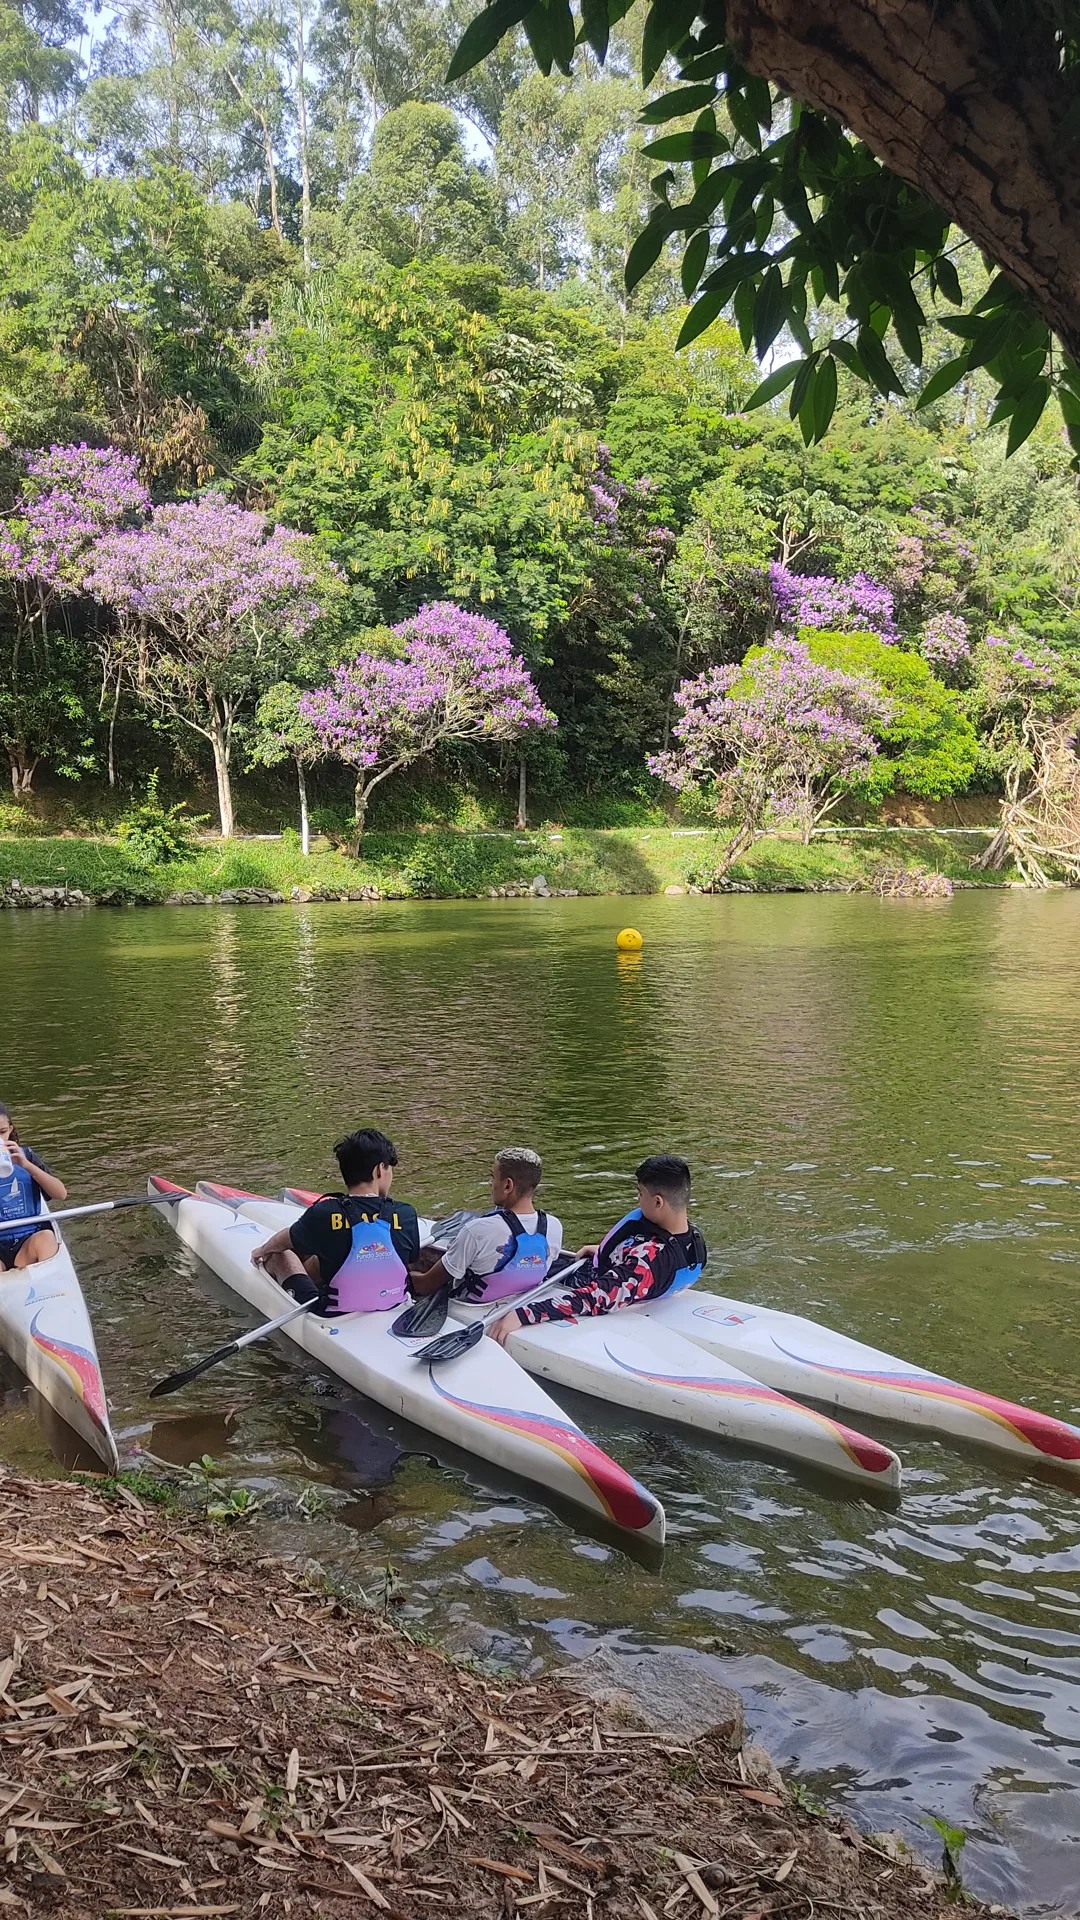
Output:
(651, 1251)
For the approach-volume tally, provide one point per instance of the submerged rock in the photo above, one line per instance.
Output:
(671, 1690)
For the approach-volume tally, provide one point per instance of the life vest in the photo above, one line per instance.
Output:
(372, 1278)
(691, 1258)
(19, 1195)
(523, 1265)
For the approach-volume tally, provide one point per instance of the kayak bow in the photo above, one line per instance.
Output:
(45, 1327)
(797, 1356)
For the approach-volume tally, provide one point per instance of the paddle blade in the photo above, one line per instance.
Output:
(451, 1346)
(177, 1380)
(425, 1315)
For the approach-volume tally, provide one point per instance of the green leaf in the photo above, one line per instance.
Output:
(671, 106)
(777, 382)
(694, 261)
(993, 336)
(743, 118)
(483, 34)
(646, 249)
(697, 143)
(1026, 414)
(843, 351)
(948, 281)
(596, 26)
(879, 367)
(803, 378)
(700, 316)
(562, 33)
(943, 381)
(1070, 407)
(666, 26)
(823, 399)
(726, 278)
(770, 311)
(537, 26)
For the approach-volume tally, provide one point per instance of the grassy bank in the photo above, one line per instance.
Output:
(445, 864)
(189, 1730)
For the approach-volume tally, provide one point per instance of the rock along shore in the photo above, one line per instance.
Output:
(189, 1730)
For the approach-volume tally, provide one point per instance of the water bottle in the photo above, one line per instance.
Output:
(7, 1164)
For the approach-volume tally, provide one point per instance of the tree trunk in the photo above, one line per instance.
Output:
(305, 825)
(112, 735)
(219, 741)
(523, 794)
(302, 137)
(975, 118)
(361, 796)
(23, 769)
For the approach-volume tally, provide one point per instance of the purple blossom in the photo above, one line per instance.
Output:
(209, 574)
(858, 605)
(908, 562)
(779, 737)
(457, 677)
(71, 495)
(936, 531)
(946, 643)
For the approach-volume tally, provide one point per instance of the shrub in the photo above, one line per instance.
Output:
(154, 835)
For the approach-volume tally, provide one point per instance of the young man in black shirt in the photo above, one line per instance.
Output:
(350, 1252)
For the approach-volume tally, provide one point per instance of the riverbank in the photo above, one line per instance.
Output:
(189, 1730)
(441, 864)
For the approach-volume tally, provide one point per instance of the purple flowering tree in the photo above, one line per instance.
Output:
(456, 676)
(69, 497)
(946, 644)
(858, 605)
(778, 743)
(216, 606)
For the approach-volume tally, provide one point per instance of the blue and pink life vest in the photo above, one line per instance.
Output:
(372, 1278)
(523, 1264)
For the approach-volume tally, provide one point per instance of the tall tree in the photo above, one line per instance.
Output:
(865, 133)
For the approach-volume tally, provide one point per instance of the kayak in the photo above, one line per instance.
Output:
(797, 1356)
(651, 1369)
(45, 1327)
(483, 1403)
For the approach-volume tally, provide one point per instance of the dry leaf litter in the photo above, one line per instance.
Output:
(188, 1732)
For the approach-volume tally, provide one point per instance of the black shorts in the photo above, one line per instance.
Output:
(10, 1244)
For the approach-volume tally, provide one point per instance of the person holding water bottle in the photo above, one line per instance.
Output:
(24, 1178)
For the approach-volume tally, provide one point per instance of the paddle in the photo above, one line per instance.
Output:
(177, 1380)
(451, 1346)
(99, 1206)
(424, 1315)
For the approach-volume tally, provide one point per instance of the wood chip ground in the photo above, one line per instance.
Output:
(189, 1731)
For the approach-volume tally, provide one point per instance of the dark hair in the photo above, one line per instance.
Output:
(665, 1173)
(361, 1152)
(5, 1114)
(521, 1165)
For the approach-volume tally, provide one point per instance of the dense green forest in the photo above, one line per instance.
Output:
(365, 336)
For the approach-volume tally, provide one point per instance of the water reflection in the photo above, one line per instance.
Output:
(880, 1108)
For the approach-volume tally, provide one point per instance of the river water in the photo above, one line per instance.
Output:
(879, 1100)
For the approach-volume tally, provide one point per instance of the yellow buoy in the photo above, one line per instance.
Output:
(629, 940)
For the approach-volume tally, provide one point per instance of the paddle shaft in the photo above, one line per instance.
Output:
(98, 1206)
(177, 1380)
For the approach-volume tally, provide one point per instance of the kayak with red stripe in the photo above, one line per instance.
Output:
(483, 1403)
(798, 1356)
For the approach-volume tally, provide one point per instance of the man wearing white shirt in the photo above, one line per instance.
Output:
(506, 1251)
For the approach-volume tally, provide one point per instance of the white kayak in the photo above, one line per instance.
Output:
(482, 1403)
(45, 1327)
(626, 1362)
(798, 1356)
